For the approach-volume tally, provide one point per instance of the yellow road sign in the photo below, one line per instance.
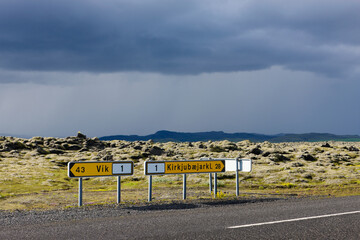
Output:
(181, 167)
(100, 169)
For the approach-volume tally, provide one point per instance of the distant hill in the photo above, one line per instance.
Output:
(167, 136)
(15, 135)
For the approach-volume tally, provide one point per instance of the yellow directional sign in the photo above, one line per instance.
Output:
(100, 169)
(181, 167)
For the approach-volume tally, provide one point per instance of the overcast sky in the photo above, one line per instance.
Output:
(138, 66)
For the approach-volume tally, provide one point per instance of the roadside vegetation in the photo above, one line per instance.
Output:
(33, 172)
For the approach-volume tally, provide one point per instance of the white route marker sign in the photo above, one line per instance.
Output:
(122, 168)
(155, 168)
(244, 165)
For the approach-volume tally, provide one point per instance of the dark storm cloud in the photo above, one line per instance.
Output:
(180, 37)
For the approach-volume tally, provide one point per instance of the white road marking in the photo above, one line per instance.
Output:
(294, 219)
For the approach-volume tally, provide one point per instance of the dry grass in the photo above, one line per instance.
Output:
(30, 180)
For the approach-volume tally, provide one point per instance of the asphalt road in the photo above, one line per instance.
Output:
(329, 218)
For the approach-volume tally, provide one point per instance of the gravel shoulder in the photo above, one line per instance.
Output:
(33, 217)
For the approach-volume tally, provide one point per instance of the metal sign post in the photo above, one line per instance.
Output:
(118, 189)
(215, 185)
(80, 192)
(184, 186)
(237, 178)
(150, 188)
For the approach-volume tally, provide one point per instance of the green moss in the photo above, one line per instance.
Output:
(136, 184)
(288, 185)
(354, 181)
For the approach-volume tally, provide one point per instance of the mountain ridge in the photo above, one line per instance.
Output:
(167, 136)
